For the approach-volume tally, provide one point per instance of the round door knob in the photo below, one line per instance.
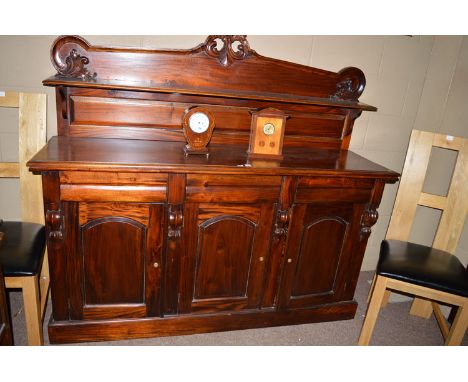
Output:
(155, 265)
(261, 258)
(289, 260)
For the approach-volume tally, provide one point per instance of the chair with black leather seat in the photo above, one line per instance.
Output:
(432, 274)
(23, 255)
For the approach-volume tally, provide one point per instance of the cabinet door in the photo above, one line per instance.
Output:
(321, 245)
(223, 266)
(115, 259)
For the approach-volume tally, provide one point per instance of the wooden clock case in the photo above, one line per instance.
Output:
(197, 142)
(144, 241)
(262, 146)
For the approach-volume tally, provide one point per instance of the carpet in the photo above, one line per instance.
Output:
(394, 327)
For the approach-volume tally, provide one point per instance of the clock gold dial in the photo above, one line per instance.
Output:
(269, 129)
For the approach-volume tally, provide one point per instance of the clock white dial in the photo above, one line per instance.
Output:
(199, 122)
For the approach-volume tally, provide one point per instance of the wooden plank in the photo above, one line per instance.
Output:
(427, 293)
(411, 183)
(10, 99)
(448, 142)
(453, 218)
(9, 170)
(432, 201)
(32, 137)
(102, 311)
(13, 282)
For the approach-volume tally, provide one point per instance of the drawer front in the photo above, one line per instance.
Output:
(316, 189)
(232, 188)
(112, 187)
(112, 178)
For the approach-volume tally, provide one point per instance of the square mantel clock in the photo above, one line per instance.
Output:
(266, 134)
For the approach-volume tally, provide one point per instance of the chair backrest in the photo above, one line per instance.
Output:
(32, 137)
(454, 206)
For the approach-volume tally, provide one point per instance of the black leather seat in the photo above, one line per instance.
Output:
(424, 266)
(23, 248)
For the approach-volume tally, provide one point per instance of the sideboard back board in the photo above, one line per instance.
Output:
(146, 241)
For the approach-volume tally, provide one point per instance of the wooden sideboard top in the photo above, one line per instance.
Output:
(107, 154)
(222, 66)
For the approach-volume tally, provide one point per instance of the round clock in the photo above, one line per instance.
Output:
(268, 129)
(199, 122)
(198, 125)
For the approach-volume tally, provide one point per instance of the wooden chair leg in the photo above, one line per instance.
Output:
(386, 298)
(373, 310)
(459, 326)
(444, 328)
(421, 308)
(32, 310)
(386, 295)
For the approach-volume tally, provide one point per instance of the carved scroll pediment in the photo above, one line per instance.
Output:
(235, 47)
(68, 57)
(350, 85)
(75, 66)
(223, 62)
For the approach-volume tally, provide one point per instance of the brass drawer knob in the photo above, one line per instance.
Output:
(261, 258)
(289, 260)
(155, 265)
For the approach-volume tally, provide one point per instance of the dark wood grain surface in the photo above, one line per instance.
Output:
(146, 241)
(215, 67)
(67, 153)
(149, 86)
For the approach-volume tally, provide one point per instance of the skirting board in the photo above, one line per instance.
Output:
(118, 329)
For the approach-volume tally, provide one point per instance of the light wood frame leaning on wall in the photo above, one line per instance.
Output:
(32, 137)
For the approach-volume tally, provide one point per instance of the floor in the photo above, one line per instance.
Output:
(394, 327)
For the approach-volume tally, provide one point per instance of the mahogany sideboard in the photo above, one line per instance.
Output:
(145, 241)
